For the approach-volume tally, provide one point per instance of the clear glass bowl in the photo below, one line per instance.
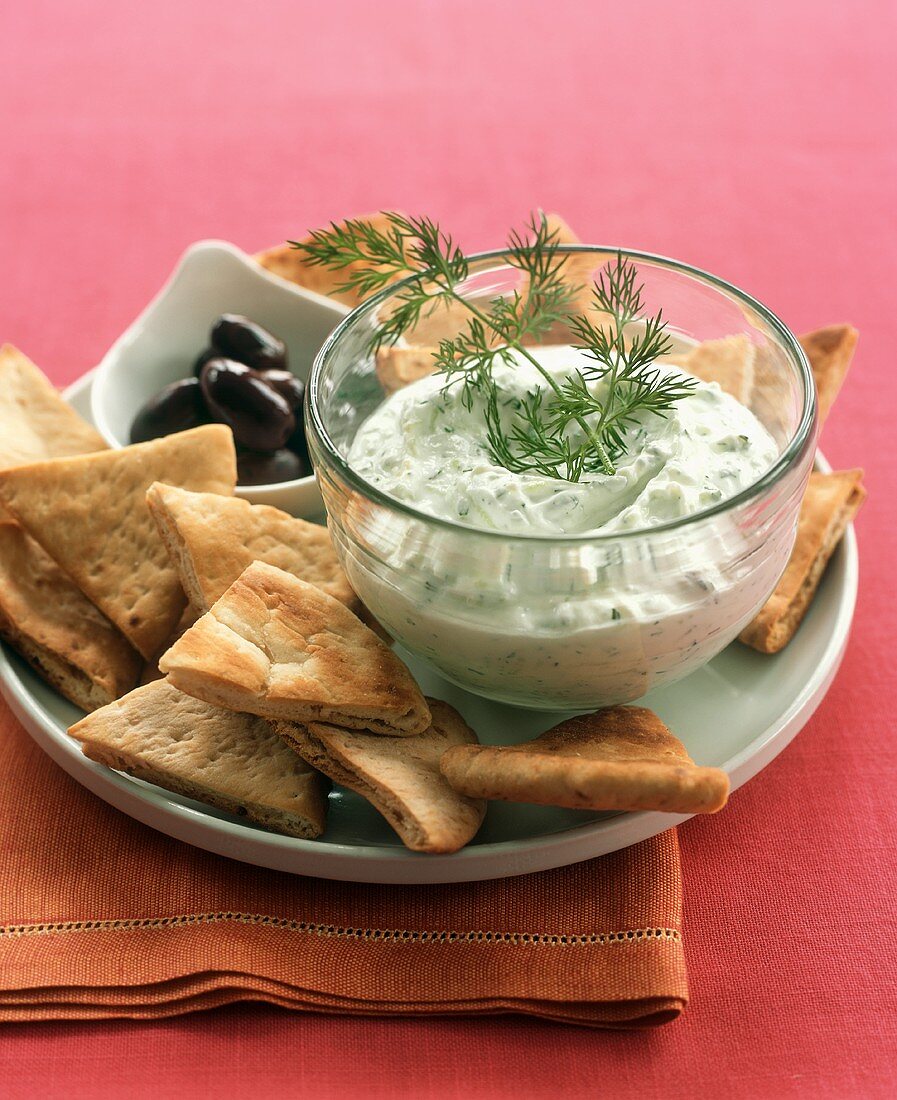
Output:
(568, 622)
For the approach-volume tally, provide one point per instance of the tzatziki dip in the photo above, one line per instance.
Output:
(551, 593)
(423, 446)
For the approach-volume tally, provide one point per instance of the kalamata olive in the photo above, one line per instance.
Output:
(175, 409)
(290, 388)
(238, 338)
(237, 396)
(201, 360)
(256, 468)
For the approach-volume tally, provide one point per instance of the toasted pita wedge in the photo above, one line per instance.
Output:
(729, 362)
(211, 539)
(232, 761)
(830, 351)
(621, 758)
(35, 422)
(830, 503)
(561, 230)
(399, 776)
(89, 513)
(276, 646)
(398, 367)
(44, 616)
(292, 264)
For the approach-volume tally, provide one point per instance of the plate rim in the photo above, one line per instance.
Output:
(154, 807)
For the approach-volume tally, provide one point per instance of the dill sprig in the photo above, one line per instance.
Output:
(564, 431)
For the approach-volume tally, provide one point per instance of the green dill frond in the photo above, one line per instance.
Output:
(565, 431)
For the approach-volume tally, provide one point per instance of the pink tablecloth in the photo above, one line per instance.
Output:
(752, 139)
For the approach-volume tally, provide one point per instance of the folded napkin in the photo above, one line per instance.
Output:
(103, 917)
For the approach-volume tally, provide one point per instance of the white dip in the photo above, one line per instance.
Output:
(572, 623)
(422, 446)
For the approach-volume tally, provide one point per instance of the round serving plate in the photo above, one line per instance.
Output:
(737, 713)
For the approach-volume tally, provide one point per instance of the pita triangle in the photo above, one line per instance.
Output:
(211, 539)
(729, 362)
(830, 503)
(399, 776)
(89, 513)
(620, 758)
(54, 626)
(35, 422)
(398, 367)
(830, 351)
(276, 646)
(293, 265)
(233, 761)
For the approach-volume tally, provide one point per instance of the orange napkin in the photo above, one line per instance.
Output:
(103, 917)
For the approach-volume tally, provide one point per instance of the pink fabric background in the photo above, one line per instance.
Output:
(753, 139)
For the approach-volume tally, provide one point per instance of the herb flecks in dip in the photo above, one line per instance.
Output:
(425, 447)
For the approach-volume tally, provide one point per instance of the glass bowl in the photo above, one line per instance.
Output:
(568, 622)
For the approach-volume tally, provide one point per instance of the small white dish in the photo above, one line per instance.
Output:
(738, 712)
(211, 278)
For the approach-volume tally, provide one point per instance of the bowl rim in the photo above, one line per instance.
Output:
(802, 438)
(104, 372)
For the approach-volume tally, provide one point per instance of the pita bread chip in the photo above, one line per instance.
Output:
(561, 230)
(232, 761)
(399, 776)
(276, 646)
(89, 513)
(45, 616)
(35, 422)
(398, 367)
(211, 539)
(728, 362)
(292, 264)
(621, 758)
(830, 351)
(830, 503)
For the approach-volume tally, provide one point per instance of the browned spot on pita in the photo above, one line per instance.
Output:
(621, 758)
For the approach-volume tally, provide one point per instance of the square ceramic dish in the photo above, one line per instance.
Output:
(211, 278)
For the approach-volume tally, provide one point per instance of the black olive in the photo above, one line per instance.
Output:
(257, 468)
(237, 396)
(201, 360)
(290, 388)
(243, 340)
(175, 409)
